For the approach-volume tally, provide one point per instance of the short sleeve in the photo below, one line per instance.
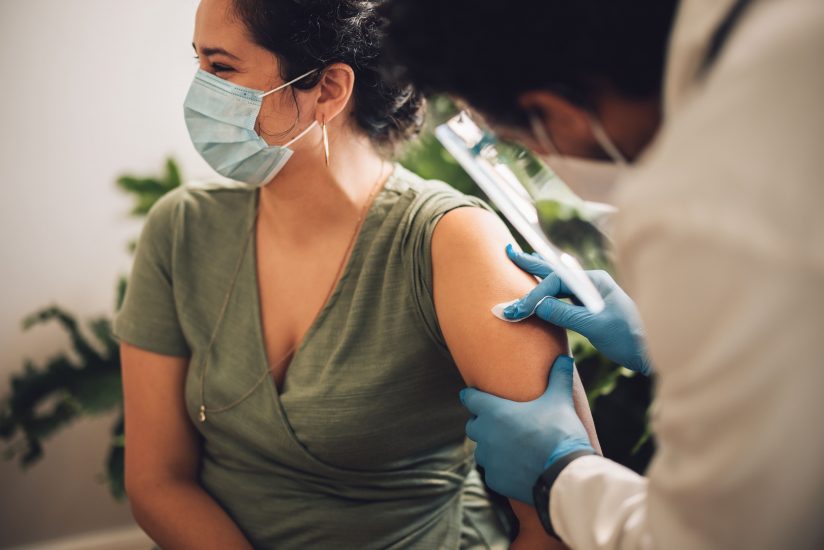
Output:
(424, 214)
(148, 316)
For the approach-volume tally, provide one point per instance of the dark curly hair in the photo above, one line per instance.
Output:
(489, 52)
(312, 34)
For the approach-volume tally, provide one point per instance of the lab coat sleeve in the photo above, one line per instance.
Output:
(619, 507)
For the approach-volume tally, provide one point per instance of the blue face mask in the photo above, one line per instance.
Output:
(221, 120)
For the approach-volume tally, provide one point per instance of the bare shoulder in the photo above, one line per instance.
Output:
(470, 224)
(471, 273)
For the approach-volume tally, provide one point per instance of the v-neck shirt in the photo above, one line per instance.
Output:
(364, 447)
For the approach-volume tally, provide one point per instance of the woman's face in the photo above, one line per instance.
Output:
(224, 49)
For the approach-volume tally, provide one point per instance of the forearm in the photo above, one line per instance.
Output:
(181, 515)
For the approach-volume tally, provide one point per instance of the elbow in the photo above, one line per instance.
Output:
(141, 494)
(140, 507)
(146, 494)
(137, 482)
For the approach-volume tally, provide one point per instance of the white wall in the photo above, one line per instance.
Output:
(88, 89)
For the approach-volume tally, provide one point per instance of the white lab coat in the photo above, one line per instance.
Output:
(720, 240)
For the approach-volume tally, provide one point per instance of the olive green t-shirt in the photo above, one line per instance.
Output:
(364, 447)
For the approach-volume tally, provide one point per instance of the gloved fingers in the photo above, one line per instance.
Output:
(559, 388)
(562, 314)
(478, 402)
(480, 454)
(551, 286)
(531, 263)
(471, 430)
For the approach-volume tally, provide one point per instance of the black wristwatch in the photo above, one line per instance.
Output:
(542, 487)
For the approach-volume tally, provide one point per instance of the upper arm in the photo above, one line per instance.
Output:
(161, 443)
(471, 273)
(154, 356)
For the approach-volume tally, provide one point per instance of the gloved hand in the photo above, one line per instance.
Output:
(616, 332)
(518, 441)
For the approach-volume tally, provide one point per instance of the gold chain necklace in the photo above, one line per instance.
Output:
(268, 371)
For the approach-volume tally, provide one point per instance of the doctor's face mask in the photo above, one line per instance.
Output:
(591, 179)
(221, 117)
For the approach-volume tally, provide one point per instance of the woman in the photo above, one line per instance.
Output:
(270, 330)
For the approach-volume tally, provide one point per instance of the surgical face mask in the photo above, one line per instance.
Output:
(590, 179)
(221, 120)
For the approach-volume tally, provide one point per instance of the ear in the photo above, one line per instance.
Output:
(566, 123)
(336, 87)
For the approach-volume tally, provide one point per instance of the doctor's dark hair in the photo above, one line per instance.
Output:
(312, 34)
(489, 52)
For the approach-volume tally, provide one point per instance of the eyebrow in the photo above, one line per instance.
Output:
(212, 51)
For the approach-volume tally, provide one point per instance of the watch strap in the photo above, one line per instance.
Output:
(543, 487)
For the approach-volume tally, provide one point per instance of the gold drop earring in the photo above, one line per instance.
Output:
(325, 140)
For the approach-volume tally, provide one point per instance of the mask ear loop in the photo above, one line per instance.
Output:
(285, 84)
(604, 140)
(314, 122)
(541, 134)
(300, 135)
(282, 86)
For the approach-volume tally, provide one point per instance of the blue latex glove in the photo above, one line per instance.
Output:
(616, 332)
(518, 441)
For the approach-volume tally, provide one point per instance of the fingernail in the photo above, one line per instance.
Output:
(512, 311)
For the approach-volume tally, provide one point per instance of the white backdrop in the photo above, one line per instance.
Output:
(89, 89)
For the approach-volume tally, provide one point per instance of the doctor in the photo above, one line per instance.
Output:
(713, 113)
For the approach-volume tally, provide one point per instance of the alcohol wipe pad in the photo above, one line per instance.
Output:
(498, 310)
